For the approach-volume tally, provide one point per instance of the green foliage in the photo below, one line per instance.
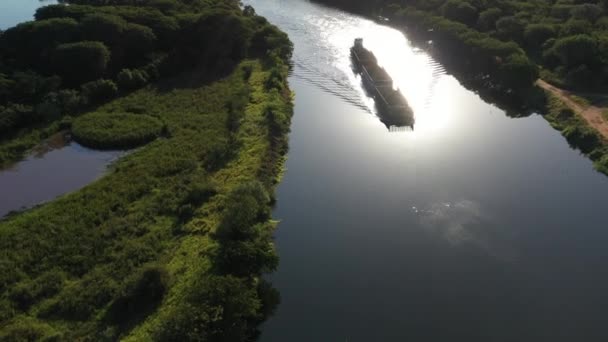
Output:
(99, 91)
(115, 130)
(536, 35)
(126, 274)
(30, 44)
(25, 329)
(576, 50)
(139, 40)
(102, 27)
(141, 296)
(90, 45)
(149, 251)
(224, 310)
(80, 62)
(578, 133)
(461, 11)
(487, 18)
(132, 79)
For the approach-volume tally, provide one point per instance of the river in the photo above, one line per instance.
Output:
(473, 227)
(59, 165)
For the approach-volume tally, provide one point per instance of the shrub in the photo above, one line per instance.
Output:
(24, 329)
(576, 50)
(81, 62)
(131, 79)
(103, 27)
(141, 296)
(138, 41)
(536, 35)
(115, 130)
(217, 308)
(99, 91)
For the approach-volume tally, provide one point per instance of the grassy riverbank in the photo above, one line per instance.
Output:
(171, 243)
(168, 245)
(578, 133)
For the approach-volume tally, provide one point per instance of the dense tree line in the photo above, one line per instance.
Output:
(567, 39)
(76, 56)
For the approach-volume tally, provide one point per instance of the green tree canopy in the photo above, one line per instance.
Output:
(80, 62)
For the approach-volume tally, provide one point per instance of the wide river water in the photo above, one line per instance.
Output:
(473, 227)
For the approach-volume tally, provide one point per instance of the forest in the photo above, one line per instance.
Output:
(171, 243)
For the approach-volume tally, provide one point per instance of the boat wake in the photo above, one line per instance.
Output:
(328, 82)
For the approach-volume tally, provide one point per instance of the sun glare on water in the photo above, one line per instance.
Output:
(413, 72)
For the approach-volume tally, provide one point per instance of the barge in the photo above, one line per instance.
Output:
(393, 109)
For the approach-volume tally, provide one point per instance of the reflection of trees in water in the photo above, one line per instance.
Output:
(54, 142)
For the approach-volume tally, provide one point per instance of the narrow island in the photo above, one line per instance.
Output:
(171, 243)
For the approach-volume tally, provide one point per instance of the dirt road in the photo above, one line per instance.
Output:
(591, 114)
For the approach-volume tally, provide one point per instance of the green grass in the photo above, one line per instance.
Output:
(115, 130)
(581, 101)
(15, 148)
(69, 266)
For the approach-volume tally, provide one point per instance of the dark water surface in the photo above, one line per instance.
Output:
(55, 168)
(474, 227)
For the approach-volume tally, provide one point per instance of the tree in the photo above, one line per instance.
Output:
(131, 79)
(536, 35)
(138, 41)
(576, 50)
(81, 62)
(576, 26)
(99, 91)
(518, 72)
(510, 28)
(102, 27)
(31, 43)
(589, 12)
(487, 19)
(461, 11)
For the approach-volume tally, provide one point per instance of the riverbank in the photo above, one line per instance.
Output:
(571, 120)
(129, 255)
(593, 115)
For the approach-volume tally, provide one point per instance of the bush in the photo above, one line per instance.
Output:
(24, 329)
(217, 308)
(141, 296)
(536, 35)
(461, 11)
(131, 79)
(81, 62)
(115, 130)
(103, 28)
(99, 91)
(138, 41)
(576, 50)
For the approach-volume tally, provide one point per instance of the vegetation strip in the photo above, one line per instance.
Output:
(593, 115)
(171, 243)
